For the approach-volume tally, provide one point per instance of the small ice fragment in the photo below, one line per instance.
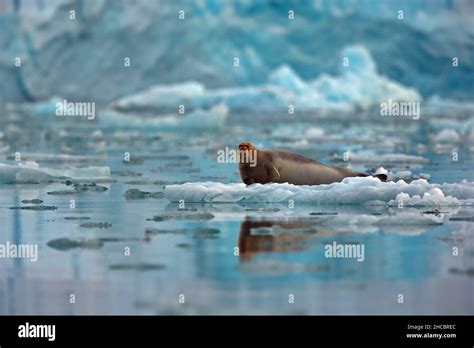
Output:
(36, 207)
(138, 194)
(65, 244)
(447, 136)
(137, 267)
(184, 216)
(32, 201)
(206, 233)
(95, 225)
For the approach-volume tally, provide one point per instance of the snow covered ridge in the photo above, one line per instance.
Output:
(357, 85)
(363, 190)
(31, 173)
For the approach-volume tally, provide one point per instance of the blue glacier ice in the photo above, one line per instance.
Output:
(356, 85)
(83, 59)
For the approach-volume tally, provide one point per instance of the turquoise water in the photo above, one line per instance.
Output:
(198, 259)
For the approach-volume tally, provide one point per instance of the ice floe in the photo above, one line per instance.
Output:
(31, 173)
(363, 190)
(447, 136)
(396, 158)
(434, 197)
(213, 118)
(407, 176)
(52, 157)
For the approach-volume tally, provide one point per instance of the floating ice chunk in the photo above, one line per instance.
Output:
(10, 174)
(192, 216)
(88, 174)
(381, 170)
(357, 190)
(285, 77)
(314, 133)
(65, 244)
(439, 102)
(32, 201)
(138, 194)
(53, 157)
(36, 207)
(401, 175)
(463, 190)
(407, 176)
(95, 225)
(213, 118)
(161, 96)
(41, 108)
(447, 136)
(31, 173)
(385, 159)
(137, 267)
(470, 136)
(461, 125)
(434, 197)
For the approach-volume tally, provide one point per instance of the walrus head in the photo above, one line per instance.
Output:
(246, 146)
(247, 154)
(247, 159)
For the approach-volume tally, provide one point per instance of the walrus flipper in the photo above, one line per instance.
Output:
(382, 177)
(249, 181)
(273, 173)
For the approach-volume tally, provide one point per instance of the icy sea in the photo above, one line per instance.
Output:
(138, 219)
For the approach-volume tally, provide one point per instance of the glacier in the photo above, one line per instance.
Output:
(202, 47)
(356, 86)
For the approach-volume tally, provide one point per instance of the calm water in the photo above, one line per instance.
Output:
(197, 259)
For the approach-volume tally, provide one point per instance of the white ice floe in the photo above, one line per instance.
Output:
(407, 176)
(447, 136)
(161, 96)
(41, 108)
(381, 170)
(53, 157)
(358, 190)
(213, 118)
(434, 197)
(314, 133)
(31, 173)
(438, 102)
(396, 158)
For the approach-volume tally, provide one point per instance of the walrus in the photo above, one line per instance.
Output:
(273, 166)
(292, 237)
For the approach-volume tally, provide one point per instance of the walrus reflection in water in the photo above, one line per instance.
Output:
(291, 236)
(272, 166)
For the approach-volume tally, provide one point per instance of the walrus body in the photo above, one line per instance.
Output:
(286, 167)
